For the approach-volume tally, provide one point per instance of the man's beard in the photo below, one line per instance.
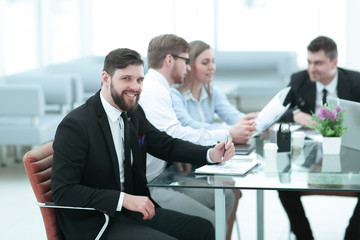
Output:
(177, 77)
(119, 100)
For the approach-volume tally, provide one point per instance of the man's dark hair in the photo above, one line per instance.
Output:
(121, 58)
(326, 44)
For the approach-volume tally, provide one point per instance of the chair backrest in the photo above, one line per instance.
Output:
(22, 100)
(38, 166)
(89, 68)
(58, 88)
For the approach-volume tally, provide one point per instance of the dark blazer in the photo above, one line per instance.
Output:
(85, 165)
(302, 94)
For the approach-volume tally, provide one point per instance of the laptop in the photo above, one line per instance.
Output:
(351, 138)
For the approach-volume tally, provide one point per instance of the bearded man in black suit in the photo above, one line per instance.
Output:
(309, 90)
(94, 167)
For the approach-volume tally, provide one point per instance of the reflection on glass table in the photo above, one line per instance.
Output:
(305, 169)
(292, 171)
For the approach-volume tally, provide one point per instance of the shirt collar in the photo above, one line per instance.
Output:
(331, 87)
(203, 94)
(112, 113)
(152, 73)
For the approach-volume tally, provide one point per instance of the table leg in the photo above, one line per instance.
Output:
(260, 214)
(220, 221)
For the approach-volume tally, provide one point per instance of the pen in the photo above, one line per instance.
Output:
(223, 154)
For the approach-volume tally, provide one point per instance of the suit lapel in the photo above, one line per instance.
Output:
(308, 96)
(134, 142)
(105, 128)
(139, 157)
(343, 87)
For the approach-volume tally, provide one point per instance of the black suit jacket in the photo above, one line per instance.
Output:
(302, 94)
(85, 165)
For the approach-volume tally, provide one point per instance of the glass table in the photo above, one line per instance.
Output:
(305, 169)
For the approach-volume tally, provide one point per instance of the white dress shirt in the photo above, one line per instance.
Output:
(331, 89)
(117, 132)
(156, 101)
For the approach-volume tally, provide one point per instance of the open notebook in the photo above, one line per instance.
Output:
(230, 167)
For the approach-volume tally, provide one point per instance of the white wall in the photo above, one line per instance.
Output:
(353, 34)
(40, 32)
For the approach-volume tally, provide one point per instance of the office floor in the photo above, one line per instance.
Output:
(20, 218)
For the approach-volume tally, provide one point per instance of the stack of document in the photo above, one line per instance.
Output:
(230, 167)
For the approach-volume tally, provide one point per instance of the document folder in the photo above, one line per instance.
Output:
(230, 167)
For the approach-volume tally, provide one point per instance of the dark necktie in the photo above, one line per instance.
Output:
(324, 96)
(127, 159)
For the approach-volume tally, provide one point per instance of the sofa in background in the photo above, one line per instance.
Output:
(251, 79)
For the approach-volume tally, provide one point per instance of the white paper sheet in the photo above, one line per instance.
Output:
(272, 111)
(230, 167)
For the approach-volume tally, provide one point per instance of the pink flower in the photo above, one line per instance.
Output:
(322, 113)
(338, 109)
(328, 120)
(333, 115)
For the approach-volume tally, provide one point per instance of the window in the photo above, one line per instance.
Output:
(18, 36)
(280, 25)
(130, 24)
(61, 30)
(35, 33)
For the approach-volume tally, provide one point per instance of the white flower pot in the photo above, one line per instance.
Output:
(331, 145)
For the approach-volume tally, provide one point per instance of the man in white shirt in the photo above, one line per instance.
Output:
(168, 61)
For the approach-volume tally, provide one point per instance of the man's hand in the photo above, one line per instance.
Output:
(249, 116)
(302, 118)
(217, 152)
(140, 204)
(183, 168)
(242, 131)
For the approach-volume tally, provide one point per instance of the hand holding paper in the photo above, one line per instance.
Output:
(242, 131)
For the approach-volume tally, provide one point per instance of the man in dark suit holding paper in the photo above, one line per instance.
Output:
(321, 79)
(309, 90)
(89, 169)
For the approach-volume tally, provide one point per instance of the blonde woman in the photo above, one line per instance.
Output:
(197, 100)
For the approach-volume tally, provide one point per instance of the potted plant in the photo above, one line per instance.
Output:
(329, 122)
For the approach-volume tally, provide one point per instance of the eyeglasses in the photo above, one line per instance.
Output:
(187, 60)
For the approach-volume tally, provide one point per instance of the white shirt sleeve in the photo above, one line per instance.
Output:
(157, 104)
(208, 156)
(121, 200)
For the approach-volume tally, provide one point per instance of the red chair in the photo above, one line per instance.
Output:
(38, 166)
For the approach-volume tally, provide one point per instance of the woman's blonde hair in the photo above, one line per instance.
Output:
(196, 48)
